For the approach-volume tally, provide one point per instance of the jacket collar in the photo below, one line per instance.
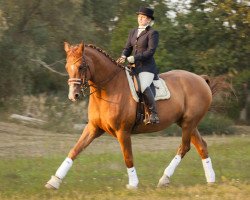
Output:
(145, 31)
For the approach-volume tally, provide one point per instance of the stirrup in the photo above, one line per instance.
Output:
(147, 121)
(152, 120)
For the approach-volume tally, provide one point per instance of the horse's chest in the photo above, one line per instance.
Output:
(105, 113)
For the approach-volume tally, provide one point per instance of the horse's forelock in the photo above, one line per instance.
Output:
(74, 51)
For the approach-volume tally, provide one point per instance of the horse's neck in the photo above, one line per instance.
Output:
(105, 73)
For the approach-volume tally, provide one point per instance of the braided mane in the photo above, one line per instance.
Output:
(105, 53)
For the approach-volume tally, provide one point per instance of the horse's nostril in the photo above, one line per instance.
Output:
(77, 95)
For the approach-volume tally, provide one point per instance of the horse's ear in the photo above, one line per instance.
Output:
(66, 46)
(81, 46)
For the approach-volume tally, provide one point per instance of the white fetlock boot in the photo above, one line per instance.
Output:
(169, 171)
(208, 169)
(133, 179)
(53, 183)
(164, 181)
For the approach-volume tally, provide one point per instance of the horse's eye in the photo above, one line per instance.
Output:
(80, 67)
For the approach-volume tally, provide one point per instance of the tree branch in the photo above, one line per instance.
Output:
(43, 64)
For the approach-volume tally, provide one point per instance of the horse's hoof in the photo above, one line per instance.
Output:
(210, 183)
(163, 182)
(131, 187)
(53, 183)
(50, 187)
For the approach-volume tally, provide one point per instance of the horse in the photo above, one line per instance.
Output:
(112, 110)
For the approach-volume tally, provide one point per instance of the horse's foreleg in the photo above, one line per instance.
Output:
(86, 138)
(126, 147)
(201, 147)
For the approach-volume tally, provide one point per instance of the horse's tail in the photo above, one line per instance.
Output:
(219, 85)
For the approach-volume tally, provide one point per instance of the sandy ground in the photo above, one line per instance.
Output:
(17, 140)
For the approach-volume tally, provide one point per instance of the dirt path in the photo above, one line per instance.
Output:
(18, 140)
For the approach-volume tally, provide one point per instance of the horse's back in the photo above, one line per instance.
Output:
(182, 74)
(193, 90)
(188, 81)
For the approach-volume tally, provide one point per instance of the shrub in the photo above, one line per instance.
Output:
(214, 123)
(59, 113)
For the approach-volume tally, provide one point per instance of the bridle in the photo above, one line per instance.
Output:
(84, 68)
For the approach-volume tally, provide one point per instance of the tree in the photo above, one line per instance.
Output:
(201, 41)
(36, 30)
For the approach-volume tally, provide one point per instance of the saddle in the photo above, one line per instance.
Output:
(158, 87)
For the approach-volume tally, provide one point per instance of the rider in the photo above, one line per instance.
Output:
(142, 43)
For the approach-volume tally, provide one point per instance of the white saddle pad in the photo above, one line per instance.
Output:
(162, 91)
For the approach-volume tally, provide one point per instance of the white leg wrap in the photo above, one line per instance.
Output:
(208, 168)
(171, 167)
(53, 183)
(64, 168)
(164, 180)
(133, 179)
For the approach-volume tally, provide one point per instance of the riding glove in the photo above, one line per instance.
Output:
(131, 59)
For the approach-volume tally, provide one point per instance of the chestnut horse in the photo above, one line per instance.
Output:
(112, 110)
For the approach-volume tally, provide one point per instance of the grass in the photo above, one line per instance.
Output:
(103, 176)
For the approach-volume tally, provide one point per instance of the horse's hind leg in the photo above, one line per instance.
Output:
(88, 135)
(187, 129)
(201, 147)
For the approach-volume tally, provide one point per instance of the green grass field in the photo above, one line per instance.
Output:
(103, 175)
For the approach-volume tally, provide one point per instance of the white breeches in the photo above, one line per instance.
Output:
(146, 78)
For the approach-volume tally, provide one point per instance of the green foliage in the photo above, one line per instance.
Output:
(37, 30)
(64, 115)
(216, 124)
(241, 82)
(58, 112)
(212, 124)
(209, 37)
(206, 44)
(120, 34)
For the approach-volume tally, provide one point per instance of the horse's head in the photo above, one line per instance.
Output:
(76, 67)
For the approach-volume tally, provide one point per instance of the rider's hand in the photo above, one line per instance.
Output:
(131, 59)
(121, 60)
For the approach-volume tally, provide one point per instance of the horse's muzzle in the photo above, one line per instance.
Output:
(74, 92)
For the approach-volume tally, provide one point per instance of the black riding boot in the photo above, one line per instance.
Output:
(151, 105)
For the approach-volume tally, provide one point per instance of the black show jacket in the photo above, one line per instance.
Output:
(142, 48)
